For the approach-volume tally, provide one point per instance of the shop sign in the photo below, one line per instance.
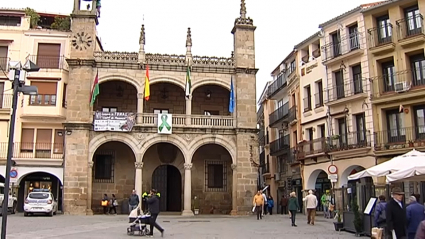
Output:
(114, 121)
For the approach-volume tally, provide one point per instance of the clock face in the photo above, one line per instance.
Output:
(82, 41)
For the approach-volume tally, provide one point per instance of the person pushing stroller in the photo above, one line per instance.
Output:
(153, 207)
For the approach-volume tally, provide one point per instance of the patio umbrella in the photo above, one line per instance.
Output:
(404, 161)
(413, 173)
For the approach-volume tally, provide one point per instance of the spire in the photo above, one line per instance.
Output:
(243, 9)
(243, 19)
(142, 35)
(189, 38)
(141, 58)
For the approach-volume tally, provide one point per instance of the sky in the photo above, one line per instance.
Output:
(281, 24)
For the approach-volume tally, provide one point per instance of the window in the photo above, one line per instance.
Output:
(293, 66)
(385, 30)
(11, 21)
(388, 75)
(307, 99)
(27, 140)
(104, 166)
(3, 58)
(58, 141)
(321, 129)
(211, 112)
(310, 138)
(279, 104)
(160, 111)
(216, 176)
(283, 167)
(109, 109)
(357, 79)
(395, 126)
(413, 20)
(48, 55)
(319, 95)
(46, 94)
(295, 137)
(419, 112)
(64, 96)
(361, 129)
(43, 143)
(354, 37)
(336, 44)
(342, 130)
(294, 102)
(339, 84)
(417, 63)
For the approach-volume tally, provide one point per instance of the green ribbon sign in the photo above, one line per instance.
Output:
(164, 123)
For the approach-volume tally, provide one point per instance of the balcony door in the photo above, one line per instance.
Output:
(342, 129)
(310, 138)
(3, 58)
(385, 30)
(357, 79)
(361, 129)
(48, 55)
(417, 63)
(339, 82)
(419, 112)
(413, 21)
(388, 75)
(336, 44)
(395, 126)
(354, 37)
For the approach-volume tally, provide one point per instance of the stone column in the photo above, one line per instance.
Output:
(89, 210)
(140, 103)
(187, 211)
(234, 190)
(138, 179)
(188, 110)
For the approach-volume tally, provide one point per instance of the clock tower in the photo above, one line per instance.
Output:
(79, 113)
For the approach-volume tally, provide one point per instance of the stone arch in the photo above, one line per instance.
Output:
(311, 181)
(343, 180)
(121, 77)
(161, 138)
(103, 138)
(167, 79)
(211, 81)
(208, 139)
(52, 172)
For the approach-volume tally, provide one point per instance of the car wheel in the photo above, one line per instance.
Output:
(25, 214)
(51, 214)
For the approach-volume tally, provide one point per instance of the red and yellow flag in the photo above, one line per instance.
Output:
(147, 85)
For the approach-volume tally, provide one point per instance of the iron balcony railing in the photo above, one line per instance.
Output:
(410, 26)
(354, 87)
(278, 84)
(33, 150)
(280, 145)
(4, 64)
(260, 114)
(261, 137)
(279, 114)
(50, 62)
(6, 101)
(307, 103)
(312, 147)
(398, 138)
(347, 44)
(292, 113)
(262, 159)
(352, 140)
(291, 155)
(318, 99)
(381, 35)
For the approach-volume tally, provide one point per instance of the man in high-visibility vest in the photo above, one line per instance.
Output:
(144, 197)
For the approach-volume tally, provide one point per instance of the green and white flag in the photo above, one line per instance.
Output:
(188, 83)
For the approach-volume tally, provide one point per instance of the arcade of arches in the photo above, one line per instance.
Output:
(163, 167)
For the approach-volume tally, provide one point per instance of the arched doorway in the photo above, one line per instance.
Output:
(162, 170)
(319, 182)
(356, 191)
(113, 173)
(39, 180)
(212, 179)
(167, 180)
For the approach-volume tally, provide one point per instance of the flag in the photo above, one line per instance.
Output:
(188, 83)
(232, 97)
(147, 84)
(95, 90)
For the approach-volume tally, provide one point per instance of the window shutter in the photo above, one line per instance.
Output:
(44, 139)
(45, 88)
(27, 139)
(48, 55)
(3, 57)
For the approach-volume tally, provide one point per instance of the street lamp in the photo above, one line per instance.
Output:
(18, 87)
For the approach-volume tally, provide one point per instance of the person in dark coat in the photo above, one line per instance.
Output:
(415, 214)
(153, 206)
(283, 205)
(380, 215)
(396, 215)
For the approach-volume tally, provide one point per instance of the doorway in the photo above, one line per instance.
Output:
(167, 180)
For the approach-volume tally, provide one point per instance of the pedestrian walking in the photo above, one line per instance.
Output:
(415, 214)
(380, 219)
(283, 205)
(311, 205)
(293, 207)
(113, 205)
(420, 233)
(396, 215)
(133, 201)
(258, 203)
(105, 203)
(153, 206)
(325, 200)
(270, 204)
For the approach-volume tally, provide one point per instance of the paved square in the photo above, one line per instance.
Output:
(208, 227)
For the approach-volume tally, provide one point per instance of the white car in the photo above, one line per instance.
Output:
(11, 205)
(40, 201)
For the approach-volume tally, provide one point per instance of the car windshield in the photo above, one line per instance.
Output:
(38, 195)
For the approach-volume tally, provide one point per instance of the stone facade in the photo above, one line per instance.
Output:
(198, 140)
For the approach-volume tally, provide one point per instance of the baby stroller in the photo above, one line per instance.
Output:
(138, 222)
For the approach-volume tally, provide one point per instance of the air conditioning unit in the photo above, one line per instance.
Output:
(401, 87)
(276, 177)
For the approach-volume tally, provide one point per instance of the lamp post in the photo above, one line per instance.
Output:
(18, 87)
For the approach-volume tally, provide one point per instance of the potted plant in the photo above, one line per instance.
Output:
(335, 136)
(387, 146)
(196, 205)
(411, 144)
(358, 219)
(338, 224)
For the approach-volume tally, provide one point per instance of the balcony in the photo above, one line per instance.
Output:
(347, 92)
(260, 114)
(400, 85)
(307, 104)
(310, 149)
(261, 137)
(279, 146)
(49, 62)
(276, 86)
(6, 101)
(350, 144)
(279, 115)
(263, 159)
(292, 114)
(195, 121)
(380, 39)
(30, 153)
(4, 64)
(399, 140)
(349, 46)
(411, 31)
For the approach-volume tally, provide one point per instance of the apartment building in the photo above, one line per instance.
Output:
(38, 148)
(396, 42)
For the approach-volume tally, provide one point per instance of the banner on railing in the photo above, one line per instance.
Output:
(165, 123)
(114, 121)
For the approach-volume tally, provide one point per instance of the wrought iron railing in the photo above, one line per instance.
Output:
(6, 101)
(307, 148)
(354, 87)
(381, 35)
(50, 62)
(27, 150)
(400, 138)
(292, 113)
(278, 84)
(279, 145)
(352, 140)
(347, 44)
(410, 26)
(279, 114)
